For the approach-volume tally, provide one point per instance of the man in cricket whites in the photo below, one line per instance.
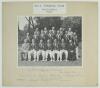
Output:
(56, 50)
(63, 50)
(49, 50)
(41, 51)
(33, 51)
(70, 34)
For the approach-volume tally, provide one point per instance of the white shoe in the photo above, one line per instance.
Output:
(43, 60)
(58, 60)
(29, 60)
(53, 60)
(66, 60)
(34, 60)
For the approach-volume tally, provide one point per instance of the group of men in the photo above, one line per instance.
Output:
(50, 45)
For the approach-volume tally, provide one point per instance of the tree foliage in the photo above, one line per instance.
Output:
(74, 22)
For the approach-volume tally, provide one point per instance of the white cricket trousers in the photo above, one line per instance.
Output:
(30, 53)
(41, 52)
(65, 52)
(77, 53)
(49, 52)
(58, 54)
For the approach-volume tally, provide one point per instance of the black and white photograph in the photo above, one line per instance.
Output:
(49, 41)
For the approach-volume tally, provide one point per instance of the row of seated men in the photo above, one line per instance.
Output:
(53, 49)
